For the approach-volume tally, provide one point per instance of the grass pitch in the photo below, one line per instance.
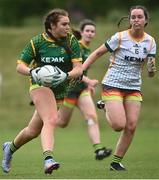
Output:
(72, 146)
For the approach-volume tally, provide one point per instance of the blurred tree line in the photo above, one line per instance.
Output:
(15, 12)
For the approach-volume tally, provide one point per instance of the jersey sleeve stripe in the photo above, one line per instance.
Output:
(151, 55)
(33, 47)
(77, 60)
(108, 47)
(71, 38)
(21, 62)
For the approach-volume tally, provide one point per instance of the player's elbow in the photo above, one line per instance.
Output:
(18, 68)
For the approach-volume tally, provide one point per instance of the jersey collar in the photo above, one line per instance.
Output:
(136, 39)
(47, 38)
(84, 45)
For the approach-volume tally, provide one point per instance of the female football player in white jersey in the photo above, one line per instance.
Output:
(56, 47)
(122, 83)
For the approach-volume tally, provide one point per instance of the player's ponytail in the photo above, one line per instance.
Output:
(121, 19)
(76, 33)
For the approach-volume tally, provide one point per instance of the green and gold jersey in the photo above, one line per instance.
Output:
(85, 52)
(41, 50)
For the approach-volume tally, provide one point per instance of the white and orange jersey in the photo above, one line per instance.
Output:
(127, 58)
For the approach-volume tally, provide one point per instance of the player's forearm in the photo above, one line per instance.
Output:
(23, 69)
(94, 56)
(76, 71)
(85, 79)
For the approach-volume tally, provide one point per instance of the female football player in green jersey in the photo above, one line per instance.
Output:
(122, 83)
(57, 47)
(81, 94)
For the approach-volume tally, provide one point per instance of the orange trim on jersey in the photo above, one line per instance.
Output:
(136, 39)
(151, 44)
(114, 54)
(119, 43)
(113, 61)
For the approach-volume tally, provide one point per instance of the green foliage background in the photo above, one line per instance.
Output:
(73, 149)
(19, 12)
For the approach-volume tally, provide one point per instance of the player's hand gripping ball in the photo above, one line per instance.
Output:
(46, 75)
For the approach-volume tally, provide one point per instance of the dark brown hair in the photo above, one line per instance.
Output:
(83, 23)
(76, 33)
(86, 22)
(132, 8)
(53, 18)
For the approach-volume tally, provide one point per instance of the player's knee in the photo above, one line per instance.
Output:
(117, 127)
(91, 115)
(131, 128)
(91, 119)
(50, 121)
(91, 122)
(63, 121)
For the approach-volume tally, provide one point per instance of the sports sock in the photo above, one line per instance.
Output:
(48, 154)
(117, 159)
(97, 146)
(13, 148)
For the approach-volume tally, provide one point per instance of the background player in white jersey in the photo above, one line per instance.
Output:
(47, 48)
(81, 95)
(121, 85)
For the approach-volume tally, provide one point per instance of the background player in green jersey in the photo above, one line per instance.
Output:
(57, 47)
(80, 95)
(121, 93)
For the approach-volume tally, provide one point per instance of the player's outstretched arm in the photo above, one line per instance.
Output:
(94, 55)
